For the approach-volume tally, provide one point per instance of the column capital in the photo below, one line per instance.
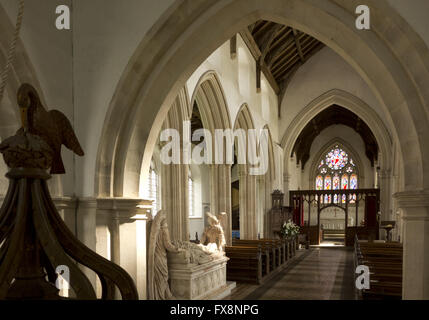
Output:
(415, 204)
(63, 202)
(117, 208)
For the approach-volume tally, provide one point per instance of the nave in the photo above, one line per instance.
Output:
(215, 124)
(314, 274)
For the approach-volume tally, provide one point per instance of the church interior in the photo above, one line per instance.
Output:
(236, 150)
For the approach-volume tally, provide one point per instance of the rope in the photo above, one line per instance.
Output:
(11, 53)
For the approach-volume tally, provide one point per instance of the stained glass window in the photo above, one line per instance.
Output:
(319, 183)
(336, 171)
(345, 182)
(191, 196)
(153, 189)
(328, 184)
(353, 181)
(336, 159)
(336, 182)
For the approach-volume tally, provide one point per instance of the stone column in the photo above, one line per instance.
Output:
(261, 203)
(115, 251)
(248, 205)
(415, 216)
(286, 179)
(385, 183)
(86, 230)
(66, 207)
(175, 199)
(220, 195)
(125, 219)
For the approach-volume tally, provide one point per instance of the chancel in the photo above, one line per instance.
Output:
(314, 116)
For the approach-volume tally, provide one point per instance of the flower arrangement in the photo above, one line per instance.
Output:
(289, 229)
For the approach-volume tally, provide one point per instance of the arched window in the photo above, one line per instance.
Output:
(153, 189)
(319, 183)
(191, 195)
(336, 170)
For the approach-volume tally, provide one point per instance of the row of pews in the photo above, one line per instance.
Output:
(255, 261)
(384, 261)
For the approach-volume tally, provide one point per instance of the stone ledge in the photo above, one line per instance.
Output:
(415, 204)
(412, 199)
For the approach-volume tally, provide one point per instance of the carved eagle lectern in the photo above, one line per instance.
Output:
(52, 126)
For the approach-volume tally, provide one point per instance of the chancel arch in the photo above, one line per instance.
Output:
(398, 78)
(356, 111)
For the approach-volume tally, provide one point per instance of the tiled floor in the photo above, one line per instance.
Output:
(317, 273)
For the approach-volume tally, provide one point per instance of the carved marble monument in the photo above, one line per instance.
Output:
(185, 270)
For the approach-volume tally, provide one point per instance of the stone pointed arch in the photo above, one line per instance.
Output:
(271, 160)
(209, 98)
(174, 177)
(244, 119)
(248, 193)
(391, 58)
(350, 102)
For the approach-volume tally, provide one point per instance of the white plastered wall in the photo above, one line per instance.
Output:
(238, 79)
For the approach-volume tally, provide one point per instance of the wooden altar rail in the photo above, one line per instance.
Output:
(257, 260)
(384, 261)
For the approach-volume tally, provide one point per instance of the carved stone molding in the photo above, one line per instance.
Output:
(415, 204)
(121, 208)
(67, 203)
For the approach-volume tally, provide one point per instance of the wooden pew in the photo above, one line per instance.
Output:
(245, 264)
(282, 245)
(384, 261)
(271, 249)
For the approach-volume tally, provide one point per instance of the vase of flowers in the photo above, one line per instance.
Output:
(289, 230)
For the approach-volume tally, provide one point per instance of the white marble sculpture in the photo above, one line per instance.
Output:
(194, 271)
(159, 245)
(213, 235)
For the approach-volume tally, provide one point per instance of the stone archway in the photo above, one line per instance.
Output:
(174, 177)
(210, 100)
(350, 102)
(398, 78)
(248, 196)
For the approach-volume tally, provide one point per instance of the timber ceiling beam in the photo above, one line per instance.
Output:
(298, 45)
(260, 64)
